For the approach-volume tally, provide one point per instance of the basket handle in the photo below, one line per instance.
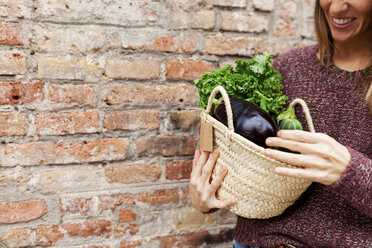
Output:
(227, 105)
(306, 111)
(229, 113)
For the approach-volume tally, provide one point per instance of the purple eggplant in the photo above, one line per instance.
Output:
(249, 121)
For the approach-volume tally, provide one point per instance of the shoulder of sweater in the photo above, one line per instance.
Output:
(295, 56)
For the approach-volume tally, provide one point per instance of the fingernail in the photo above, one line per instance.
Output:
(269, 141)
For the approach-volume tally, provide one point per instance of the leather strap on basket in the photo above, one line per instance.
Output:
(227, 105)
(306, 111)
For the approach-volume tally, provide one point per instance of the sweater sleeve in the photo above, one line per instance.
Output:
(355, 183)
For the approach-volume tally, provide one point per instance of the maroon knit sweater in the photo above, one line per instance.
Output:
(339, 215)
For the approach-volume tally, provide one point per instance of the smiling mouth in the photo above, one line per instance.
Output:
(342, 21)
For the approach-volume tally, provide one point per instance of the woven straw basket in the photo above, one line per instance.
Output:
(250, 179)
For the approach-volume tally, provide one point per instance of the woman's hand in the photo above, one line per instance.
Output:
(323, 159)
(202, 188)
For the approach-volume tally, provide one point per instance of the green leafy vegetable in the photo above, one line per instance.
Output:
(254, 80)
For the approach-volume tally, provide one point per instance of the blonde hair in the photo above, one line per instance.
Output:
(326, 47)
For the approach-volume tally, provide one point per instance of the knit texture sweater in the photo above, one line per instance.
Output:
(338, 215)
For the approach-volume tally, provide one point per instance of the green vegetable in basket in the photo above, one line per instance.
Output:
(255, 81)
(287, 120)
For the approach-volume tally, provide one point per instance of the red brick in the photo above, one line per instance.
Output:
(159, 197)
(130, 244)
(21, 93)
(22, 211)
(244, 46)
(40, 153)
(12, 64)
(121, 230)
(83, 95)
(133, 173)
(67, 123)
(132, 119)
(163, 44)
(18, 238)
(131, 69)
(13, 124)
(101, 203)
(187, 69)
(178, 170)
(188, 44)
(10, 35)
(285, 29)
(49, 235)
(127, 215)
(165, 146)
(73, 206)
(139, 94)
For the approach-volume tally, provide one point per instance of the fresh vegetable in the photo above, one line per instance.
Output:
(287, 120)
(249, 120)
(255, 81)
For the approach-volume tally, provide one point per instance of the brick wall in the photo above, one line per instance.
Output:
(97, 114)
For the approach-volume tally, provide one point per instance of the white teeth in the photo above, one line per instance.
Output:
(342, 21)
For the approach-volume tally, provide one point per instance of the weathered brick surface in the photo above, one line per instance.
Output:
(127, 215)
(122, 229)
(22, 211)
(139, 94)
(99, 114)
(229, 3)
(39, 153)
(12, 63)
(133, 69)
(245, 46)
(71, 94)
(21, 93)
(67, 123)
(244, 22)
(187, 69)
(132, 120)
(10, 35)
(165, 146)
(130, 244)
(69, 68)
(133, 173)
(178, 170)
(18, 238)
(13, 123)
(160, 197)
(203, 19)
(50, 235)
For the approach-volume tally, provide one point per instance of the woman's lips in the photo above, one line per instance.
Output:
(342, 22)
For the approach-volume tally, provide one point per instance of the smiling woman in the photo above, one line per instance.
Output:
(344, 29)
(336, 209)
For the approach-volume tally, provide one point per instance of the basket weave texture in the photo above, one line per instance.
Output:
(250, 179)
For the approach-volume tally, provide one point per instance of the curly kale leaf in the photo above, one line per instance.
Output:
(254, 80)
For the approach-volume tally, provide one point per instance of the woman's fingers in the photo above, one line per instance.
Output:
(208, 167)
(301, 136)
(217, 180)
(215, 184)
(199, 164)
(303, 160)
